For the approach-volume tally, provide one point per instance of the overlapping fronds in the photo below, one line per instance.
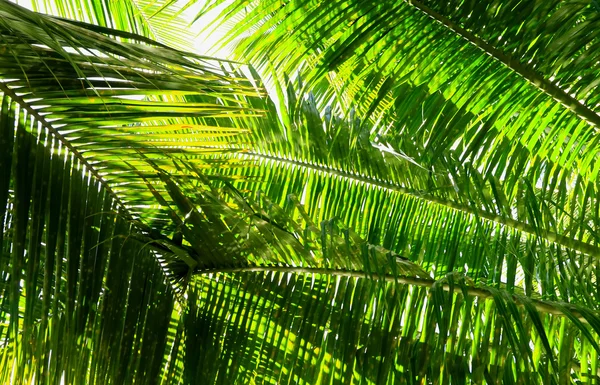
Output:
(84, 298)
(333, 168)
(81, 301)
(141, 17)
(277, 327)
(301, 304)
(105, 100)
(421, 208)
(499, 147)
(224, 230)
(351, 288)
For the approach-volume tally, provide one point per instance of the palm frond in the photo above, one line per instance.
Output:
(251, 251)
(277, 327)
(336, 172)
(100, 100)
(421, 208)
(140, 17)
(67, 265)
(496, 148)
(85, 299)
(260, 244)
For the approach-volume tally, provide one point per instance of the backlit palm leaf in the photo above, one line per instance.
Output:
(452, 97)
(417, 211)
(498, 148)
(83, 301)
(136, 16)
(257, 345)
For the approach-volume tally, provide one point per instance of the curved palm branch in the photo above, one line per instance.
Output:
(320, 328)
(492, 139)
(269, 243)
(83, 301)
(333, 168)
(447, 93)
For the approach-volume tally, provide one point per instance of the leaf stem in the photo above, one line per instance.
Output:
(547, 307)
(550, 236)
(8, 91)
(527, 73)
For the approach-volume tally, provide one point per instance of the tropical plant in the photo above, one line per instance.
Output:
(363, 192)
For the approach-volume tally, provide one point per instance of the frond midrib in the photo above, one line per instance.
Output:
(550, 236)
(548, 307)
(64, 142)
(530, 75)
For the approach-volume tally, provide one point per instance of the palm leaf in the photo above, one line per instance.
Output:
(271, 327)
(140, 17)
(67, 271)
(484, 159)
(238, 333)
(524, 328)
(83, 301)
(515, 110)
(407, 212)
(93, 114)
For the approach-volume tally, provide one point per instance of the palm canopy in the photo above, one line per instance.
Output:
(412, 201)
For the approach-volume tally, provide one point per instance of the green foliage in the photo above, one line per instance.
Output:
(413, 199)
